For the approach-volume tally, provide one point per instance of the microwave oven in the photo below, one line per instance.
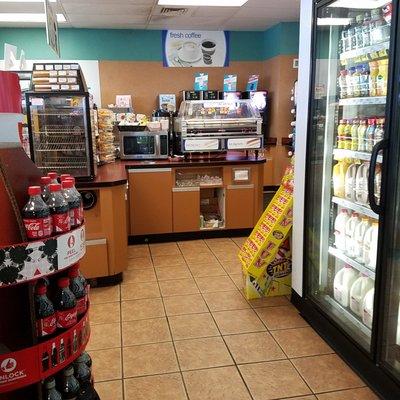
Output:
(144, 145)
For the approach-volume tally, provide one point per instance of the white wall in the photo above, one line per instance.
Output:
(306, 21)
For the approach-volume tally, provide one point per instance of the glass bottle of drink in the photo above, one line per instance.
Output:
(50, 391)
(347, 135)
(370, 135)
(358, 31)
(362, 129)
(354, 135)
(340, 134)
(342, 81)
(366, 29)
(373, 74)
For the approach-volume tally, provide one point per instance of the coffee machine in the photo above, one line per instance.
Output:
(230, 96)
(260, 100)
(191, 95)
(210, 95)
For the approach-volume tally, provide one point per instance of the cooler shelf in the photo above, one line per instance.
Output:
(355, 207)
(341, 256)
(377, 48)
(363, 101)
(359, 155)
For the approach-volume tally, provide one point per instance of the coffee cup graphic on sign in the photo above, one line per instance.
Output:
(208, 49)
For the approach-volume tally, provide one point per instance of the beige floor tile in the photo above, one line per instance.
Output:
(140, 263)
(327, 373)
(189, 304)
(272, 301)
(284, 317)
(107, 364)
(217, 241)
(273, 380)
(138, 250)
(133, 310)
(254, 347)
(239, 241)
(191, 246)
(237, 280)
(168, 260)
(301, 342)
(111, 390)
(202, 353)
(104, 294)
(238, 321)
(178, 287)
(215, 384)
(215, 284)
(104, 336)
(139, 276)
(105, 313)
(145, 331)
(351, 394)
(149, 359)
(223, 301)
(173, 273)
(145, 290)
(232, 267)
(311, 397)
(224, 247)
(192, 326)
(208, 269)
(228, 256)
(164, 249)
(157, 387)
(200, 258)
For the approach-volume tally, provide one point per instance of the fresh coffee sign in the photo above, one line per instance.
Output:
(186, 48)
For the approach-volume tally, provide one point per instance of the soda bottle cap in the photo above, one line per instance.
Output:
(67, 184)
(34, 190)
(41, 289)
(64, 176)
(45, 180)
(50, 383)
(52, 175)
(63, 282)
(72, 179)
(69, 371)
(55, 187)
(371, 121)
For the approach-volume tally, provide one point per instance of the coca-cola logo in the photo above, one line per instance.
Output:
(71, 241)
(70, 317)
(8, 365)
(32, 226)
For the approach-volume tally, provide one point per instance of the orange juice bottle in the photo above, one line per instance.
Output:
(340, 134)
(347, 135)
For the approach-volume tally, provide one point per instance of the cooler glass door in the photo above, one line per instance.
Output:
(345, 160)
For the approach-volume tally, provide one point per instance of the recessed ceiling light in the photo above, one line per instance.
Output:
(199, 3)
(365, 4)
(28, 17)
(26, 1)
(333, 21)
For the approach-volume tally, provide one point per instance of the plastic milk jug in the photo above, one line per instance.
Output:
(340, 229)
(351, 224)
(370, 246)
(357, 293)
(350, 182)
(339, 175)
(342, 284)
(368, 308)
(359, 234)
(362, 183)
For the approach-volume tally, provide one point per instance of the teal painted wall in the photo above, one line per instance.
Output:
(144, 45)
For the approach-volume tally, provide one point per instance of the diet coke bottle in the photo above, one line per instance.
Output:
(74, 203)
(45, 181)
(46, 321)
(65, 304)
(78, 196)
(53, 176)
(78, 288)
(36, 216)
(59, 209)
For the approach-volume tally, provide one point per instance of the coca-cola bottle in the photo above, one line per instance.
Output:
(78, 288)
(82, 372)
(74, 202)
(63, 177)
(53, 176)
(50, 391)
(59, 209)
(88, 392)
(36, 216)
(65, 304)
(69, 385)
(45, 182)
(78, 196)
(86, 359)
(46, 321)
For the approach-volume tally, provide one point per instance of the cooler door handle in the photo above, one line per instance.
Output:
(371, 176)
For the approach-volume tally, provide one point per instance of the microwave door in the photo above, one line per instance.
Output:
(142, 146)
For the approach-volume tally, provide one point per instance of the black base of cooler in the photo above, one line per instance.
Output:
(174, 237)
(372, 374)
(106, 281)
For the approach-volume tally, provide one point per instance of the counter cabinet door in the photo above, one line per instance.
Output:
(150, 200)
(240, 206)
(186, 209)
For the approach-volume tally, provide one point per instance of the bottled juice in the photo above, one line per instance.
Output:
(340, 134)
(382, 77)
(356, 80)
(362, 129)
(364, 80)
(339, 176)
(349, 81)
(354, 135)
(342, 80)
(373, 73)
(379, 130)
(347, 135)
(370, 135)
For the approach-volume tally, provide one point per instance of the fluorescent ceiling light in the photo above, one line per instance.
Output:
(199, 3)
(26, 1)
(365, 4)
(28, 17)
(333, 21)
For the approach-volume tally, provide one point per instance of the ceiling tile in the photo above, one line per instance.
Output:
(117, 8)
(125, 2)
(106, 19)
(225, 12)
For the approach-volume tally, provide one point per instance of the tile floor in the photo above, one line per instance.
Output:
(179, 328)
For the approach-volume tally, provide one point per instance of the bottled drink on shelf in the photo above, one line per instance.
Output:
(50, 391)
(344, 44)
(379, 130)
(351, 34)
(347, 135)
(368, 308)
(46, 321)
(349, 81)
(358, 291)
(373, 74)
(370, 246)
(36, 216)
(78, 196)
(387, 16)
(69, 384)
(356, 80)
(342, 81)
(351, 224)
(370, 135)
(340, 229)
(377, 22)
(366, 30)
(87, 359)
(82, 372)
(350, 182)
(65, 304)
(88, 392)
(45, 182)
(364, 80)
(354, 134)
(359, 235)
(362, 183)
(378, 184)
(63, 177)
(382, 77)
(339, 174)
(59, 209)
(340, 134)
(361, 133)
(74, 203)
(78, 288)
(358, 31)
(342, 284)
(53, 176)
